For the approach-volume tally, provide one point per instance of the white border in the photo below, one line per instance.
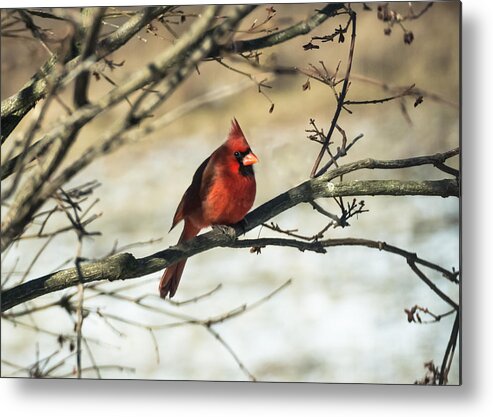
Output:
(133, 398)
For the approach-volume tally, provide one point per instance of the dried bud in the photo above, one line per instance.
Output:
(340, 32)
(387, 31)
(410, 315)
(418, 101)
(309, 46)
(408, 37)
(306, 86)
(384, 13)
(256, 249)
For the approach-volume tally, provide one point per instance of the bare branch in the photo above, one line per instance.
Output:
(32, 197)
(301, 28)
(14, 108)
(449, 351)
(125, 266)
(340, 100)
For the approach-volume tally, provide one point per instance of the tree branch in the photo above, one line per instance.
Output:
(340, 99)
(449, 351)
(300, 28)
(190, 48)
(436, 160)
(126, 266)
(15, 107)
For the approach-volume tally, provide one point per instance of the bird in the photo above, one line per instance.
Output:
(222, 192)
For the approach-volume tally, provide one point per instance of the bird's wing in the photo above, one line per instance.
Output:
(191, 200)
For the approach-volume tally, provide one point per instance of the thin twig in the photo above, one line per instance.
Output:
(342, 97)
(36, 257)
(198, 297)
(221, 340)
(407, 92)
(449, 351)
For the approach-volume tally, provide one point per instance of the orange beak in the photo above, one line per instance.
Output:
(250, 159)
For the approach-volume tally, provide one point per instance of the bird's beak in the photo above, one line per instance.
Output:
(250, 159)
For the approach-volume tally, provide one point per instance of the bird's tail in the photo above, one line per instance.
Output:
(171, 276)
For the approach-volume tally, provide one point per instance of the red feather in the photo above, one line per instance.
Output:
(221, 193)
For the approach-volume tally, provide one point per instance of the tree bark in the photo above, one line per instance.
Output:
(125, 266)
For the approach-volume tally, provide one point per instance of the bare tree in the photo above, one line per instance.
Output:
(37, 165)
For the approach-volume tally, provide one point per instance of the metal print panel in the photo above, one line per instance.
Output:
(305, 156)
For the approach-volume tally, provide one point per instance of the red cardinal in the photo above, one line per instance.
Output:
(222, 191)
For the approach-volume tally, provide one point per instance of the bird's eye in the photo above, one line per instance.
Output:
(237, 154)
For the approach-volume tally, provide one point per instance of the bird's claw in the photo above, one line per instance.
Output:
(225, 229)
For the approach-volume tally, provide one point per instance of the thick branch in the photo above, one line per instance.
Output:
(300, 28)
(126, 266)
(37, 87)
(436, 160)
(15, 107)
(27, 199)
(189, 43)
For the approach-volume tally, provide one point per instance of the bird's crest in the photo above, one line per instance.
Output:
(236, 135)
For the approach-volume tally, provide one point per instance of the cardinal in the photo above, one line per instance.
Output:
(221, 193)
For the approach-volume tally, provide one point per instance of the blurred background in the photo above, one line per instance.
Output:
(342, 317)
